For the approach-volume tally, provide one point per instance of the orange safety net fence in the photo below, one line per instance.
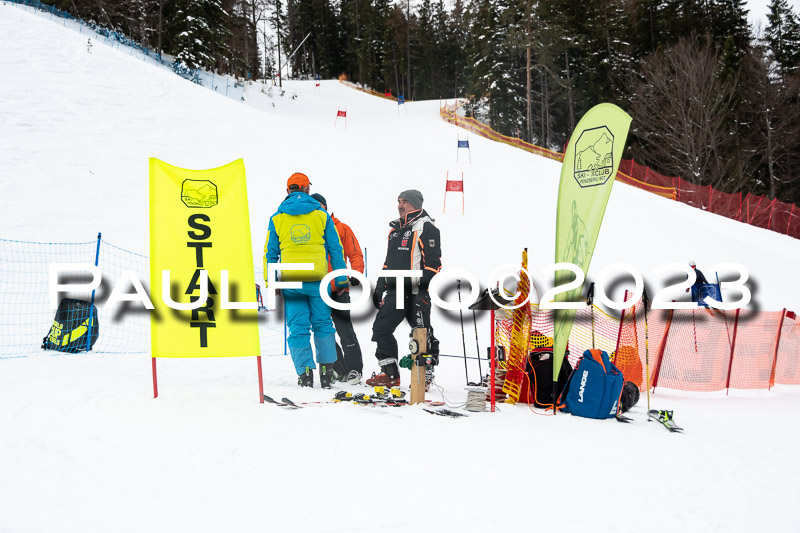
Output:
(581, 338)
(699, 350)
(711, 350)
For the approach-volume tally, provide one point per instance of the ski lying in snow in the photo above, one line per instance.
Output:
(445, 412)
(622, 418)
(290, 403)
(272, 401)
(666, 420)
(285, 402)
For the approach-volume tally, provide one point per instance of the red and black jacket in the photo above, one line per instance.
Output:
(413, 245)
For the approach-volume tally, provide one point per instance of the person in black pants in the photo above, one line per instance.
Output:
(349, 364)
(413, 245)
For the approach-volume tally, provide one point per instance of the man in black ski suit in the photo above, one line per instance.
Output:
(698, 282)
(413, 245)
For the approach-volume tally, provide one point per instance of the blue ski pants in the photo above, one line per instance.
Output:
(306, 312)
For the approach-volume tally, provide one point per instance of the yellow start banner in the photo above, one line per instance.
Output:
(200, 226)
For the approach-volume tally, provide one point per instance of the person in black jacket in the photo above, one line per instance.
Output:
(699, 281)
(413, 245)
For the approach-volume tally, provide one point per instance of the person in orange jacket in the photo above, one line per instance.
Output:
(349, 364)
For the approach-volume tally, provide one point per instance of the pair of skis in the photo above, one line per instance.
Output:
(359, 400)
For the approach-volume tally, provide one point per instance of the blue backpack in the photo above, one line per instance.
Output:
(594, 387)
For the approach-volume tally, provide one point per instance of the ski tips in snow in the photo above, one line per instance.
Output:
(285, 402)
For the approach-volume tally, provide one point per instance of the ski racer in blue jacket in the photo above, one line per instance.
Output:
(302, 232)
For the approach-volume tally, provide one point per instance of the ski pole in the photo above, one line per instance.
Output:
(646, 351)
(463, 340)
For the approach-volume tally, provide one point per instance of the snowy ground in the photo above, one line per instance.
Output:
(84, 447)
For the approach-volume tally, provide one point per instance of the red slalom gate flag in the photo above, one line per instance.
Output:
(341, 113)
(455, 186)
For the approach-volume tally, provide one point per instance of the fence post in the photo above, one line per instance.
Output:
(661, 348)
(733, 348)
(621, 320)
(771, 212)
(777, 344)
(91, 307)
(709, 198)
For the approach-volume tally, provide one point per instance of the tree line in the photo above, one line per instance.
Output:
(713, 99)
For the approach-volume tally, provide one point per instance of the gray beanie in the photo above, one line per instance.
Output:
(412, 196)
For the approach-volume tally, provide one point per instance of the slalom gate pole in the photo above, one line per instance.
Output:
(155, 378)
(260, 380)
(477, 345)
(646, 351)
(463, 340)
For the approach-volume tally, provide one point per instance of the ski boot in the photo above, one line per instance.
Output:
(390, 377)
(326, 375)
(306, 379)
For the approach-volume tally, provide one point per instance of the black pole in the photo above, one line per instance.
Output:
(477, 346)
(463, 340)
(590, 302)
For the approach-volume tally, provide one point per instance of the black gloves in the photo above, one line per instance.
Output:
(354, 282)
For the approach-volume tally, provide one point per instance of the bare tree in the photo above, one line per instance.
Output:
(772, 114)
(682, 113)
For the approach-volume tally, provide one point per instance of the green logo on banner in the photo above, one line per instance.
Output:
(594, 157)
(199, 193)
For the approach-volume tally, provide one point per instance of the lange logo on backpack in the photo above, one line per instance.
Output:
(584, 378)
(597, 395)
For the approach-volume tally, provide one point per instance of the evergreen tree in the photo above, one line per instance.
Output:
(200, 31)
(783, 35)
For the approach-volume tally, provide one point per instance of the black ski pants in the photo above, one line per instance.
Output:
(348, 355)
(416, 311)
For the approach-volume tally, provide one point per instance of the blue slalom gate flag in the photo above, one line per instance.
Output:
(463, 144)
(699, 292)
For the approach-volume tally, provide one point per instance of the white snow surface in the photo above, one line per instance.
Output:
(84, 446)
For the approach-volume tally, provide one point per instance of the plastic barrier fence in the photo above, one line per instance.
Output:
(700, 350)
(26, 317)
(711, 350)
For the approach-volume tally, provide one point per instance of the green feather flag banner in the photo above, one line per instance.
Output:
(590, 165)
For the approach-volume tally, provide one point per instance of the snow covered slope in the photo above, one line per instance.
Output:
(84, 447)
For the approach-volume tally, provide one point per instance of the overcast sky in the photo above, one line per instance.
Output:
(758, 11)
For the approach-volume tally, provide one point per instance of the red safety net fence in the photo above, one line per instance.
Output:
(692, 350)
(754, 210)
